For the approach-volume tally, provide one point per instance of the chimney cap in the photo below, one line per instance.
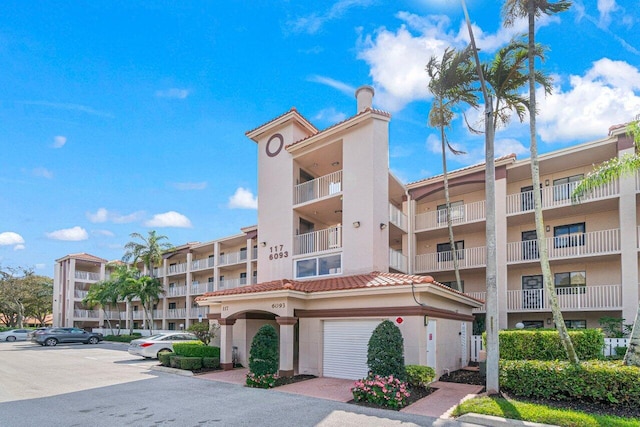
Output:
(365, 87)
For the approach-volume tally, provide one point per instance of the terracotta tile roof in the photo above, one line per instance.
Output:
(292, 110)
(506, 157)
(344, 283)
(366, 110)
(85, 256)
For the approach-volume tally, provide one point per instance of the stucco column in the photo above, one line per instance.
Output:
(286, 344)
(628, 244)
(501, 247)
(226, 343)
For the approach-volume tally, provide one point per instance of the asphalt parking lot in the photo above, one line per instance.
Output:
(102, 385)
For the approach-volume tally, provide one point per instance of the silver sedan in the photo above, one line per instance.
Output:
(14, 335)
(150, 347)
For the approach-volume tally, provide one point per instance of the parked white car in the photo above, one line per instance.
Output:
(14, 335)
(150, 347)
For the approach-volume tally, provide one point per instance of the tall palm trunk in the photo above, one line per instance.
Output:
(537, 200)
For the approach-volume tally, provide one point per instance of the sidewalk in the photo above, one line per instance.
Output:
(438, 404)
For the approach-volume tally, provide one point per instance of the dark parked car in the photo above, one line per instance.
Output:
(53, 336)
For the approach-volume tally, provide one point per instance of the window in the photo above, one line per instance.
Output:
(444, 251)
(572, 282)
(568, 235)
(576, 324)
(532, 292)
(243, 254)
(243, 278)
(563, 187)
(172, 326)
(457, 212)
(452, 284)
(526, 197)
(172, 306)
(533, 324)
(530, 245)
(319, 266)
(135, 308)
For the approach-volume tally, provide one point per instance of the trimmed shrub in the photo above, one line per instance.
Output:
(420, 376)
(190, 363)
(263, 356)
(608, 382)
(262, 381)
(545, 344)
(174, 360)
(211, 362)
(195, 349)
(164, 358)
(122, 338)
(383, 391)
(385, 355)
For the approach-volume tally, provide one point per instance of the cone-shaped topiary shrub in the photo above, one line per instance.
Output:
(385, 356)
(263, 357)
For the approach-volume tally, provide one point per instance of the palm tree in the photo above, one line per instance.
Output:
(148, 250)
(149, 289)
(99, 295)
(123, 278)
(531, 9)
(607, 172)
(451, 82)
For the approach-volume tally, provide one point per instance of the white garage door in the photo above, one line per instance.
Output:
(345, 348)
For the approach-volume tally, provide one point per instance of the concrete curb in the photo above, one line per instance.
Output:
(175, 371)
(491, 421)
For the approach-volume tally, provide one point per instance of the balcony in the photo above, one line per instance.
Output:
(557, 196)
(397, 218)
(232, 283)
(177, 268)
(114, 315)
(479, 295)
(319, 188)
(137, 314)
(176, 313)
(443, 261)
(231, 258)
(79, 294)
(176, 291)
(86, 314)
(87, 276)
(198, 288)
(463, 214)
(158, 272)
(318, 241)
(196, 312)
(398, 261)
(579, 298)
(594, 243)
(201, 264)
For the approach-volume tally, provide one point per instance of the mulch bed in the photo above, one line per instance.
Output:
(293, 379)
(474, 377)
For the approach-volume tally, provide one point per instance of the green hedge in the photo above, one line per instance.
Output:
(122, 338)
(211, 362)
(419, 376)
(164, 358)
(544, 344)
(597, 381)
(195, 349)
(190, 363)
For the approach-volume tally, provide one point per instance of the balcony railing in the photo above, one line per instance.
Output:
(177, 268)
(201, 264)
(397, 217)
(195, 312)
(114, 315)
(230, 258)
(86, 314)
(398, 261)
(557, 196)
(137, 314)
(232, 283)
(569, 246)
(479, 295)
(443, 261)
(176, 291)
(198, 288)
(254, 253)
(80, 294)
(176, 313)
(463, 214)
(601, 297)
(325, 186)
(318, 241)
(158, 272)
(87, 276)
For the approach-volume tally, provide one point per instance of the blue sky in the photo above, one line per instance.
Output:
(126, 116)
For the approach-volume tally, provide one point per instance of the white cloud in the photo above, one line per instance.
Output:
(106, 233)
(59, 141)
(243, 199)
(169, 219)
(9, 238)
(185, 186)
(608, 93)
(74, 234)
(104, 215)
(330, 115)
(69, 107)
(328, 81)
(173, 93)
(605, 7)
(42, 173)
(313, 23)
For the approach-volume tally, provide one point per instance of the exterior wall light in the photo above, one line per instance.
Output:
(356, 224)
(383, 226)
(263, 244)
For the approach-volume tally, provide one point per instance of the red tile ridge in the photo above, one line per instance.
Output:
(291, 110)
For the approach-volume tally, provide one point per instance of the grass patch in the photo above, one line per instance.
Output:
(516, 410)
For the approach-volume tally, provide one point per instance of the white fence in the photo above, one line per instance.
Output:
(609, 349)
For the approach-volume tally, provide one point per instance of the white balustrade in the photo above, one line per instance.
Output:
(398, 261)
(443, 261)
(80, 294)
(90, 314)
(229, 258)
(87, 276)
(397, 217)
(176, 313)
(462, 214)
(600, 297)
(479, 295)
(232, 283)
(176, 291)
(201, 264)
(177, 268)
(324, 186)
(318, 241)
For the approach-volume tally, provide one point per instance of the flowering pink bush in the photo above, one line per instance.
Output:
(261, 381)
(383, 391)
